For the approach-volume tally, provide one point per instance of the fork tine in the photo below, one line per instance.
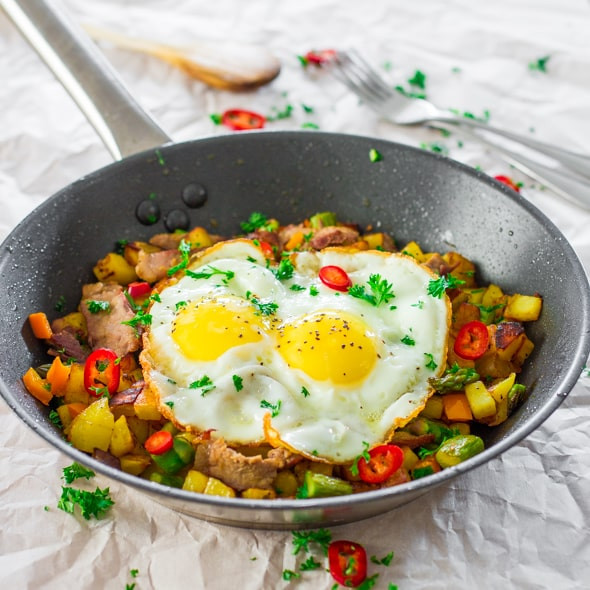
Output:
(355, 73)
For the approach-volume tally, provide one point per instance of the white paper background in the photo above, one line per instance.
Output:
(520, 521)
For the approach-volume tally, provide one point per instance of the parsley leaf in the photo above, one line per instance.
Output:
(141, 318)
(96, 306)
(354, 469)
(204, 384)
(274, 408)
(386, 561)
(305, 391)
(430, 364)
(310, 564)
(408, 340)
(238, 382)
(255, 221)
(437, 287)
(381, 291)
(91, 503)
(55, 419)
(368, 583)
(184, 249)
(375, 155)
(210, 271)
(76, 471)
(540, 64)
(301, 540)
(262, 308)
(284, 270)
(289, 575)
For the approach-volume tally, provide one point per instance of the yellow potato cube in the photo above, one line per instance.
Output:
(285, 483)
(433, 408)
(93, 428)
(413, 249)
(132, 250)
(122, 441)
(146, 408)
(198, 238)
(134, 464)
(523, 308)
(195, 481)
(259, 494)
(500, 390)
(74, 390)
(523, 352)
(216, 487)
(481, 402)
(410, 458)
(113, 268)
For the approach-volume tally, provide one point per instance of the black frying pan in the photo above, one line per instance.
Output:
(289, 175)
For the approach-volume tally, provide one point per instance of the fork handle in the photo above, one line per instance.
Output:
(576, 162)
(567, 184)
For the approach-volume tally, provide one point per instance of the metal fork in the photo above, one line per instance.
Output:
(567, 173)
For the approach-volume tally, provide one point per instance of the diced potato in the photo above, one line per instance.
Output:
(481, 402)
(146, 408)
(122, 441)
(285, 483)
(499, 391)
(139, 428)
(523, 308)
(463, 268)
(490, 365)
(501, 413)
(506, 353)
(523, 352)
(114, 268)
(493, 295)
(379, 241)
(74, 321)
(259, 494)
(410, 458)
(199, 238)
(413, 249)
(475, 295)
(135, 464)
(92, 428)
(67, 413)
(461, 427)
(433, 408)
(195, 481)
(465, 313)
(216, 487)
(75, 391)
(132, 250)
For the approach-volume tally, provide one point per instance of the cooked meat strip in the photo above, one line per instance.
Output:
(66, 345)
(236, 470)
(333, 236)
(167, 241)
(106, 328)
(437, 263)
(270, 237)
(153, 266)
(407, 439)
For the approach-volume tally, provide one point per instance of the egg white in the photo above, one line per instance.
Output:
(318, 418)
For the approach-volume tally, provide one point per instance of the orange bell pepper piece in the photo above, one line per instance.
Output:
(58, 376)
(456, 407)
(40, 325)
(38, 387)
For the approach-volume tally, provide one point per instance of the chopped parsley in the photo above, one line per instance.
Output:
(204, 384)
(184, 249)
(408, 340)
(436, 147)
(238, 382)
(95, 306)
(60, 304)
(255, 221)
(210, 271)
(289, 575)
(302, 539)
(374, 155)
(430, 364)
(297, 288)
(368, 583)
(284, 270)
(437, 287)
(141, 318)
(170, 404)
(418, 80)
(310, 564)
(381, 291)
(76, 471)
(354, 469)
(386, 561)
(313, 290)
(286, 113)
(133, 573)
(274, 408)
(262, 308)
(304, 391)
(90, 503)
(180, 305)
(55, 419)
(540, 64)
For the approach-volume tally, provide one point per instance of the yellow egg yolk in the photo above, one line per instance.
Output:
(329, 346)
(209, 327)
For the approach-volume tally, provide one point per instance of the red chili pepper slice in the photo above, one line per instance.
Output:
(348, 563)
(318, 58)
(508, 181)
(266, 249)
(472, 340)
(335, 278)
(101, 371)
(241, 120)
(159, 443)
(138, 289)
(384, 461)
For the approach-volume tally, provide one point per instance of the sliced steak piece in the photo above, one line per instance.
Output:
(237, 470)
(106, 328)
(66, 345)
(333, 236)
(153, 266)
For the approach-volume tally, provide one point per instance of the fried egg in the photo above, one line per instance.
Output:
(258, 353)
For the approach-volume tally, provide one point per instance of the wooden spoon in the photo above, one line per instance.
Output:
(225, 65)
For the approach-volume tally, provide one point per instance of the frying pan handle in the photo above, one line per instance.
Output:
(124, 127)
